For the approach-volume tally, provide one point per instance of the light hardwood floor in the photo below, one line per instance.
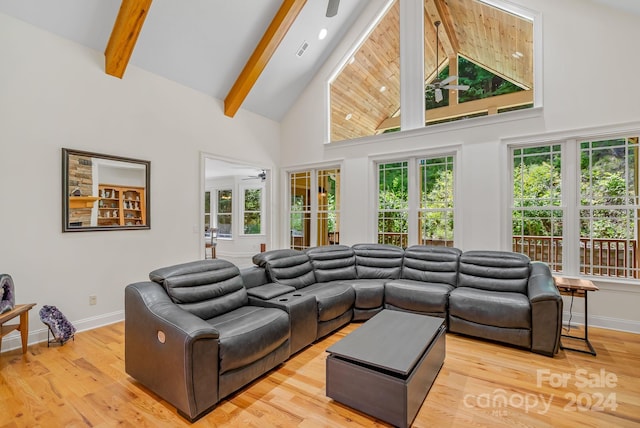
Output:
(83, 384)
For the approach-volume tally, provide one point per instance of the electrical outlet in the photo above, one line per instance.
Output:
(93, 300)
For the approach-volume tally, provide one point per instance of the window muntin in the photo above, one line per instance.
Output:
(252, 211)
(608, 207)
(224, 213)
(537, 214)
(435, 214)
(314, 208)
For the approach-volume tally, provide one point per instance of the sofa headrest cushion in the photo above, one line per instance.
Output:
(288, 267)
(494, 270)
(206, 288)
(431, 264)
(333, 262)
(378, 261)
(261, 259)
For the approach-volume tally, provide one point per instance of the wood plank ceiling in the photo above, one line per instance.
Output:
(365, 96)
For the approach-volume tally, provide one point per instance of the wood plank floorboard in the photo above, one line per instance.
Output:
(482, 384)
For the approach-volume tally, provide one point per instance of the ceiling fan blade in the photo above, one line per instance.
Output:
(332, 8)
(457, 87)
(448, 79)
(438, 95)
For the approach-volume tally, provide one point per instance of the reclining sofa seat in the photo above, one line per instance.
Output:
(293, 268)
(206, 341)
(375, 265)
(502, 296)
(428, 275)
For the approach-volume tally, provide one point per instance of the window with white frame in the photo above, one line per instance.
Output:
(393, 203)
(582, 224)
(608, 210)
(314, 208)
(252, 211)
(224, 213)
(537, 213)
(416, 201)
(435, 213)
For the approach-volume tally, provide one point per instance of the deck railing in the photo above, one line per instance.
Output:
(600, 257)
(615, 258)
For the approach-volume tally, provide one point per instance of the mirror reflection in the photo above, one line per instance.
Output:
(104, 192)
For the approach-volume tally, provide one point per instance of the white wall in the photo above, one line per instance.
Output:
(55, 94)
(590, 61)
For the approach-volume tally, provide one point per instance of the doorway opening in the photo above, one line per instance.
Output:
(236, 206)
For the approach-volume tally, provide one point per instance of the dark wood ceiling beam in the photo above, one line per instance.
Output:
(267, 46)
(124, 35)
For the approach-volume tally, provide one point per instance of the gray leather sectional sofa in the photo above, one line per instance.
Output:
(199, 331)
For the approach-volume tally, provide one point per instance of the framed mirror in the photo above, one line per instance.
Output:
(104, 192)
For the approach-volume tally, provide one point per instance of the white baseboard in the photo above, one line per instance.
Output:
(603, 322)
(13, 341)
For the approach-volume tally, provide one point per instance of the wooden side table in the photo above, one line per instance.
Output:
(577, 287)
(23, 327)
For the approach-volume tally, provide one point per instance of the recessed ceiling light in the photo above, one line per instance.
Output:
(517, 54)
(348, 116)
(323, 33)
(383, 88)
(351, 61)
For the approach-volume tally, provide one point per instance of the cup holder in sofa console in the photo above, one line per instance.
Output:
(283, 300)
(297, 295)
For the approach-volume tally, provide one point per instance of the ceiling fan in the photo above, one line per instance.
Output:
(262, 175)
(439, 85)
(332, 8)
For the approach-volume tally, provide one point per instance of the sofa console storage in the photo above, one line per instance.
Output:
(302, 312)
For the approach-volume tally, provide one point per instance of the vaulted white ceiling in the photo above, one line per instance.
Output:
(204, 44)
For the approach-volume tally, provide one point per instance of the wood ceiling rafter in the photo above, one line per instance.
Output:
(124, 35)
(280, 25)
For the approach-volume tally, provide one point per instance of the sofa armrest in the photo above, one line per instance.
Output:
(546, 310)
(169, 350)
(253, 276)
(269, 291)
